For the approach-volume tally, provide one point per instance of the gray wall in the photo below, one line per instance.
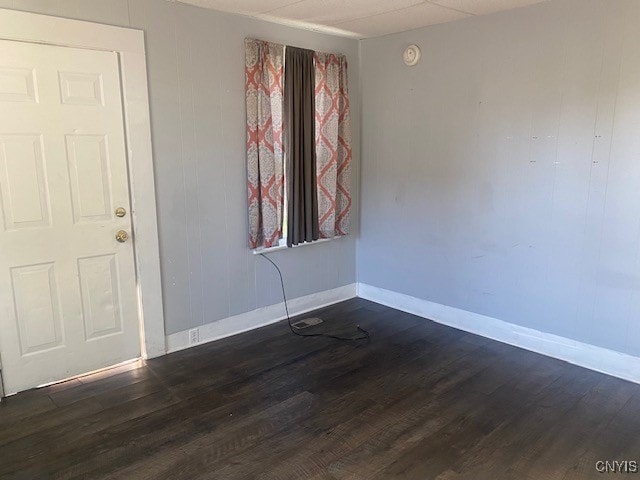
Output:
(196, 80)
(502, 174)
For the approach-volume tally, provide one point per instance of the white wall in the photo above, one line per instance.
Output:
(502, 174)
(196, 81)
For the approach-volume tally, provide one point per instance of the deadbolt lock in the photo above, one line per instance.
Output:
(120, 212)
(122, 236)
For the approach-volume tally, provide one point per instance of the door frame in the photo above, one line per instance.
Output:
(128, 43)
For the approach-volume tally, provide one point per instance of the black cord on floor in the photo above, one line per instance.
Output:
(365, 335)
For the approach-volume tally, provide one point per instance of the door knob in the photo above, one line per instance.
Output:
(122, 236)
(120, 212)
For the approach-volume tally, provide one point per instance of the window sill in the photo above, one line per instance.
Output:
(283, 246)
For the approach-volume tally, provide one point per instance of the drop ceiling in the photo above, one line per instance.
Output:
(361, 18)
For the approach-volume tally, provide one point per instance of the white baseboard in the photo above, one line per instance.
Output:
(600, 359)
(229, 326)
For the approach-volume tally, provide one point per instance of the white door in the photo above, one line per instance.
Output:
(68, 302)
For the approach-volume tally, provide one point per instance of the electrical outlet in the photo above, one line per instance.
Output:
(194, 336)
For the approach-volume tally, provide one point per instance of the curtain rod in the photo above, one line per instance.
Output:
(295, 46)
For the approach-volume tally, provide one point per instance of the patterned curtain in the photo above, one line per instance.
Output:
(333, 144)
(265, 163)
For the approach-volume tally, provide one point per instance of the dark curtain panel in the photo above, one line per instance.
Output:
(300, 146)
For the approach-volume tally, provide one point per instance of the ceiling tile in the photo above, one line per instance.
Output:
(360, 18)
(331, 12)
(245, 7)
(483, 7)
(401, 20)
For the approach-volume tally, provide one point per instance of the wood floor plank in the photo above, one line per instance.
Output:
(418, 401)
(273, 383)
(42, 454)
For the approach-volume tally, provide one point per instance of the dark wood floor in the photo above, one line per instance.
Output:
(420, 401)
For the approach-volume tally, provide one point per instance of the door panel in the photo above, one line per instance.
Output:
(17, 84)
(100, 286)
(68, 300)
(81, 88)
(38, 316)
(25, 199)
(88, 163)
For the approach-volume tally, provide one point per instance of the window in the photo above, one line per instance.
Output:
(298, 145)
